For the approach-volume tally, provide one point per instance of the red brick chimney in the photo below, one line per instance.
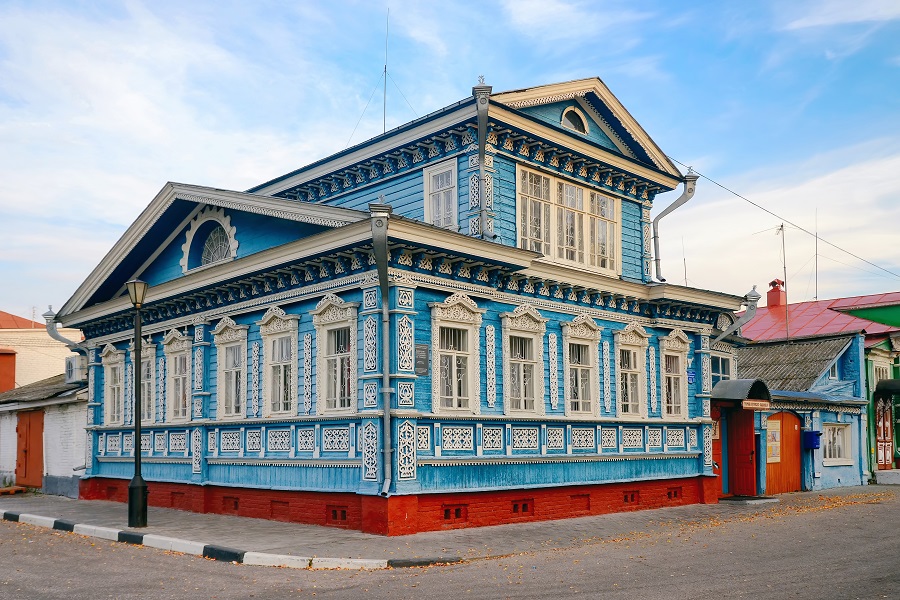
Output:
(776, 296)
(7, 369)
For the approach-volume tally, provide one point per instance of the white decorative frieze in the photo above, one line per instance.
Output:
(632, 437)
(404, 298)
(370, 451)
(492, 438)
(370, 299)
(654, 437)
(405, 346)
(255, 391)
(196, 450)
(405, 393)
(128, 442)
(554, 370)
(254, 440)
(231, 441)
(675, 438)
(423, 437)
(456, 438)
(198, 368)
(525, 438)
(556, 438)
(177, 441)
(161, 390)
(278, 440)
(370, 344)
(653, 397)
(159, 442)
(211, 441)
(490, 351)
(707, 446)
(608, 437)
(370, 394)
(607, 395)
(306, 440)
(583, 438)
(307, 373)
(406, 451)
(145, 442)
(336, 439)
(693, 438)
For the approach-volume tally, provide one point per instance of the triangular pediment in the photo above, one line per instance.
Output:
(158, 247)
(609, 123)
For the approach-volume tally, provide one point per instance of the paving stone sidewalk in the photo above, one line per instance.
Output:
(258, 541)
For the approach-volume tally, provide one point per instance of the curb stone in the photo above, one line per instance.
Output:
(222, 553)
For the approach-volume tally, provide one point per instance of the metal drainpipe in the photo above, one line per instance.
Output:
(690, 185)
(49, 317)
(751, 299)
(482, 95)
(380, 213)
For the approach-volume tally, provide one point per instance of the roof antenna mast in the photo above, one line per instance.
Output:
(387, 26)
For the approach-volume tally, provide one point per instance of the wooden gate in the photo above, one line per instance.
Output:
(741, 453)
(884, 435)
(783, 453)
(30, 456)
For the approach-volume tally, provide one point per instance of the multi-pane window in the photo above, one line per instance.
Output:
(280, 373)
(577, 226)
(454, 367)
(720, 368)
(337, 367)
(114, 393)
(232, 379)
(522, 370)
(836, 444)
(534, 211)
(629, 382)
(441, 195)
(833, 371)
(580, 378)
(673, 382)
(147, 386)
(179, 385)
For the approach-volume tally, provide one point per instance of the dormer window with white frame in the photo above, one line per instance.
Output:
(523, 361)
(675, 348)
(574, 119)
(231, 373)
(567, 222)
(581, 346)
(631, 371)
(113, 385)
(336, 355)
(441, 195)
(279, 339)
(455, 354)
(177, 349)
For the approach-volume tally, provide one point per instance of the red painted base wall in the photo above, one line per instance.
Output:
(401, 515)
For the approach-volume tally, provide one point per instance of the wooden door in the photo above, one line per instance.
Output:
(741, 453)
(884, 435)
(30, 456)
(783, 453)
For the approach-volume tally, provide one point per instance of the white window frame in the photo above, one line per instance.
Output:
(580, 113)
(833, 371)
(147, 393)
(430, 217)
(723, 376)
(229, 334)
(175, 347)
(113, 396)
(636, 339)
(552, 213)
(527, 323)
(330, 314)
(846, 440)
(457, 311)
(276, 324)
(582, 330)
(675, 345)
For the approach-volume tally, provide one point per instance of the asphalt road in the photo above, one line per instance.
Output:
(835, 548)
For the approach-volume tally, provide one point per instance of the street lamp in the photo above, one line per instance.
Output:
(137, 489)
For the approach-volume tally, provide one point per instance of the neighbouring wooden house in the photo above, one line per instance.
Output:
(452, 324)
(822, 366)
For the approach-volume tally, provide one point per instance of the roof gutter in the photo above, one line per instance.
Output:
(380, 213)
(690, 186)
(751, 299)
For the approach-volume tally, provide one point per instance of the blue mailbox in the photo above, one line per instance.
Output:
(811, 440)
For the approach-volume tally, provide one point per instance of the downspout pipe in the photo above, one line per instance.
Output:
(690, 186)
(50, 320)
(380, 214)
(482, 94)
(751, 299)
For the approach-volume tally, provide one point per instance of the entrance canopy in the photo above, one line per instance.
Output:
(887, 388)
(741, 389)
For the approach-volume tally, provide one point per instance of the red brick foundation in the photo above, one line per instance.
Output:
(400, 515)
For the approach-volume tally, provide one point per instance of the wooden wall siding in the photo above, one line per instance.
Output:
(506, 220)
(632, 250)
(552, 114)
(784, 476)
(404, 193)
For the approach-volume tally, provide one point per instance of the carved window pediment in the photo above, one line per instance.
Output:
(275, 320)
(676, 341)
(525, 318)
(582, 326)
(458, 307)
(175, 341)
(111, 354)
(633, 335)
(229, 331)
(332, 309)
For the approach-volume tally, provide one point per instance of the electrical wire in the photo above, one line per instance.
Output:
(363, 112)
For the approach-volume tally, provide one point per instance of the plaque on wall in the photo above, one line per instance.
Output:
(422, 359)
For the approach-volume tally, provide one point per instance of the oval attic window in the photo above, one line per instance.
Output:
(216, 247)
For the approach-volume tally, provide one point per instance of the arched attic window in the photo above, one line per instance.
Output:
(210, 239)
(573, 119)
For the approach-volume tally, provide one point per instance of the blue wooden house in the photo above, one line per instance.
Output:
(451, 324)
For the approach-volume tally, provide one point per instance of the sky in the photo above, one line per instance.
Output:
(793, 105)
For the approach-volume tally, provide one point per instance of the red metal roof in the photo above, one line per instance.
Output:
(10, 321)
(820, 317)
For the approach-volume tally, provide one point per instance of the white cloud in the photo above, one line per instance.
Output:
(826, 13)
(560, 21)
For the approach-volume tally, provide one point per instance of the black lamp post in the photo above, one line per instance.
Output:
(137, 489)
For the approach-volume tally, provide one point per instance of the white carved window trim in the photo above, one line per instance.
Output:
(636, 339)
(524, 322)
(275, 324)
(113, 396)
(148, 380)
(549, 242)
(209, 213)
(447, 220)
(675, 345)
(582, 330)
(229, 334)
(458, 311)
(832, 431)
(177, 346)
(332, 313)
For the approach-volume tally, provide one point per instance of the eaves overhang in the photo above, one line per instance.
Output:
(667, 292)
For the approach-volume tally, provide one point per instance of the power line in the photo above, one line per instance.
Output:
(803, 229)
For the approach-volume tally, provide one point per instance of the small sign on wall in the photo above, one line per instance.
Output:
(690, 376)
(773, 441)
(422, 359)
